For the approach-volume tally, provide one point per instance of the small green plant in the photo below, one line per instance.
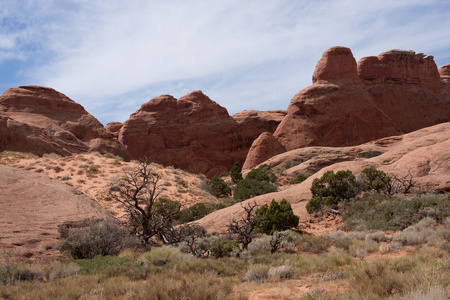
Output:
(371, 153)
(236, 172)
(192, 213)
(331, 189)
(223, 248)
(218, 187)
(299, 178)
(276, 217)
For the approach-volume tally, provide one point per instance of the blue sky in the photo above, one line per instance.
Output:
(111, 56)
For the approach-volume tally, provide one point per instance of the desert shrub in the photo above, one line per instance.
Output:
(192, 213)
(218, 187)
(292, 163)
(63, 270)
(258, 273)
(165, 257)
(111, 266)
(236, 172)
(299, 178)
(96, 238)
(374, 179)
(280, 272)
(225, 266)
(371, 153)
(276, 217)
(331, 189)
(248, 188)
(92, 170)
(262, 173)
(223, 248)
(382, 213)
(313, 244)
(420, 233)
(182, 286)
(26, 272)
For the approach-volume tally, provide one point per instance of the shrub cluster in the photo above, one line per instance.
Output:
(276, 217)
(257, 182)
(95, 238)
(331, 189)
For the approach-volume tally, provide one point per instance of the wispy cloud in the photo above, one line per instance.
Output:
(111, 56)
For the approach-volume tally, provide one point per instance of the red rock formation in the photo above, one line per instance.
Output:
(113, 127)
(400, 67)
(41, 120)
(263, 148)
(444, 72)
(193, 133)
(397, 92)
(336, 63)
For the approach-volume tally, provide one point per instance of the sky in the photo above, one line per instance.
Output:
(112, 56)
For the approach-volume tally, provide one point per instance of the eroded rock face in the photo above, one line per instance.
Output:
(41, 120)
(444, 72)
(395, 93)
(400, 67)
(193, 133)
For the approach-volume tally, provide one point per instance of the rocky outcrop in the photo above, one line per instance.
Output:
(263, 148)
(41, 120)
(193, 133)
(348, 104)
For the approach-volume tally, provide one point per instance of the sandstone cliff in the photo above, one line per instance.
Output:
(194, 133)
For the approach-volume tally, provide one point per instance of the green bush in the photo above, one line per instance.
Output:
(248, 188)
(331, 189)
(223, 248)
(299, 178)
(382, 213)
(376, 180)
(195, 212)
(218, 187)
(276, 217)
(262, 173)
(236, 172)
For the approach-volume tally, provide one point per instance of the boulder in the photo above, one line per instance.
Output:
(263, 148)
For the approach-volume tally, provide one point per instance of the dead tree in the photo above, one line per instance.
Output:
(242, 228)
(277, 241)
(192, 235)
(138, 190)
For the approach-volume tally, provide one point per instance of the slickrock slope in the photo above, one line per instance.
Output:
(193, 133)
(32, 208)
(349, 104)
(423, 153)
(41, 120)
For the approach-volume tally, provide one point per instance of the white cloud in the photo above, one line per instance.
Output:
(243, 54)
